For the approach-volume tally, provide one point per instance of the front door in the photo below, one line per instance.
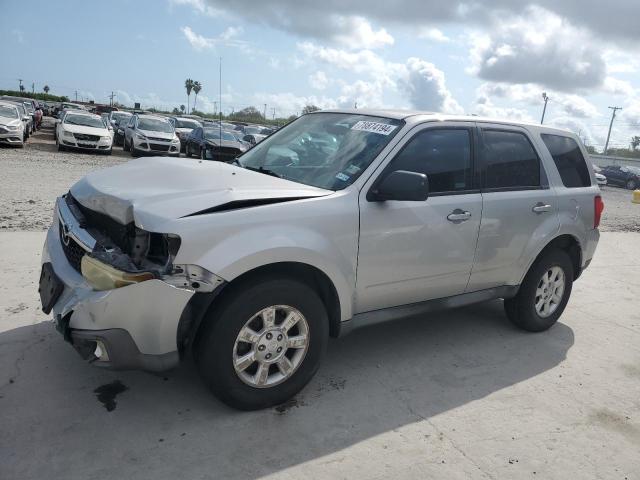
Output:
(415, 251)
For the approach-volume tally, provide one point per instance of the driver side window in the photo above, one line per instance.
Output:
(443, 154)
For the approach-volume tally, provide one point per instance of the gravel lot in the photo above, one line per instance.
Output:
(33, 177)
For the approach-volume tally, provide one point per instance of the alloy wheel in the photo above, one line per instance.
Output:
(549, 291)
(271, 346)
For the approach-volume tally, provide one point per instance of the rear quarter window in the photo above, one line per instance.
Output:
(568, 159)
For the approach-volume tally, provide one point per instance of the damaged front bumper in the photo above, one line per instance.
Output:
(132, 327)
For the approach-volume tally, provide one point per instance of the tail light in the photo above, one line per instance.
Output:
(598, 207)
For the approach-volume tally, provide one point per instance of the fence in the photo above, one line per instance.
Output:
(604, 160)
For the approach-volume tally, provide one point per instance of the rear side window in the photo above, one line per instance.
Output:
(510, 161)
(444, 155)
(569, 160)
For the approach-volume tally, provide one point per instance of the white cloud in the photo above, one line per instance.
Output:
(356, 33)
(539, 47)
(197, 41)
(433, 34)
(226, 38)
(616, 86)
(318, 80)
(200, 6)
(426, 88)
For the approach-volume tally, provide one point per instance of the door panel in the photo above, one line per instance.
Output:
(520, 211)
(412, 251)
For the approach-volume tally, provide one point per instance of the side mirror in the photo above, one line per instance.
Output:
(401, 185)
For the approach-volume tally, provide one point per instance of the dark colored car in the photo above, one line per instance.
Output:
(622, 175)
(206, 143)
(118, 120)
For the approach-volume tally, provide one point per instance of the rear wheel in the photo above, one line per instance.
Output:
(544, 293)
(263, 343)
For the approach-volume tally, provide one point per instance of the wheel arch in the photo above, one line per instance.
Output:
(191, 320)
(567, 243)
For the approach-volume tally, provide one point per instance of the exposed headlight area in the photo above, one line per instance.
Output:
(121, 255)
(68, 134)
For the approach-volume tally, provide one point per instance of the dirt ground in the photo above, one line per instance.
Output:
(32, 178)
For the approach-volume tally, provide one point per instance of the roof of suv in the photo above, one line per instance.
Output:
(398, 114)
(149, 115)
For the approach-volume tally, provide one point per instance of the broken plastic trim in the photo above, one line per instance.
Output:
(239, 204)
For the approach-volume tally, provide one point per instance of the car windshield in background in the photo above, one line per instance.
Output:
(155, 125)
(251, 130)
(214, 134)
(84, 120)
(183, 123)
(119, 117)
(29, 107)
(326, 150)
(10, 112)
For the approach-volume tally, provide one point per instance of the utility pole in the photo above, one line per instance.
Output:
(545, 97)
(264, 115)
(273, 113)
(355, 105)
(215, 107)
(613, 115)
(21, 87)
(33, 87)
(111, 98)
(76, 95)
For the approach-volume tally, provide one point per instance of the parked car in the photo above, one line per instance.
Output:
(622, 175)
(253, 138)
(24, 116)
(151, 134)
(600, 178)
(83, 131)
(253, 265)
(184, 126)
(11, 125)
(205, 143)
(118, 120)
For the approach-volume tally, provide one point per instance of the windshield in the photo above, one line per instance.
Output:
(7, 111)
(120, 117)
(155, 125)
(214, 134)
(326, 150)
(184, 123)
(84, 120)
(251, 130)
(29, 107)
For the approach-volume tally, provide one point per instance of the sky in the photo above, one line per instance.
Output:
(490, 58)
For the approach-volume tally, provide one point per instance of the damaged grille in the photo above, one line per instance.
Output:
(71, 249)
(222, 154)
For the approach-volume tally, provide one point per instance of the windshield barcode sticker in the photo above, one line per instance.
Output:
(374, 127)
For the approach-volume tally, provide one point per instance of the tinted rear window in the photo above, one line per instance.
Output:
(569, 160)
(510, 161)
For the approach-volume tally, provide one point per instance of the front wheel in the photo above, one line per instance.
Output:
(544, 293)
(263, 343)
(631, 185)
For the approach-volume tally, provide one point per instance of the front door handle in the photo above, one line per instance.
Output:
(541, 207)
(459, 216)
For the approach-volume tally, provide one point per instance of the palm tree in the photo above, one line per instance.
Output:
(188, 84)
(182, 108)
(46, 89)
(197, 86)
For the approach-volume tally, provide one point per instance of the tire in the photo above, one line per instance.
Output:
(217, 342)
(132, 150)
(631, 184)
(108, 152)
(187, 151)
(521, 309)
(61, 148)
(202, 154)
(124, 144)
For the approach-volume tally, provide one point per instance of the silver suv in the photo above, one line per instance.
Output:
(339, 220)
(150, 134)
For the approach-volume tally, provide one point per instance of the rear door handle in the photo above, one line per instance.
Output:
(459, 216)
(541, 207)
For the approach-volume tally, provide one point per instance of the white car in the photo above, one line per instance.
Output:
(11, 126)
(183, 127)
(83, 131)
(253, 265)
(600, 178)
(151, 134)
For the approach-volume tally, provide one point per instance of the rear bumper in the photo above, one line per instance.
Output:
(136, 324)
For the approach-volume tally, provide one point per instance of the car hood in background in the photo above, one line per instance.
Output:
(86, 130)
(152, 190)
(226, 143)
(155, 134)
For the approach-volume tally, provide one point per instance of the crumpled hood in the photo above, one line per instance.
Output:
(153, 190)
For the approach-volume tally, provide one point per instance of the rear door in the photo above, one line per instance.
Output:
(519, 207)
(412, 251)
